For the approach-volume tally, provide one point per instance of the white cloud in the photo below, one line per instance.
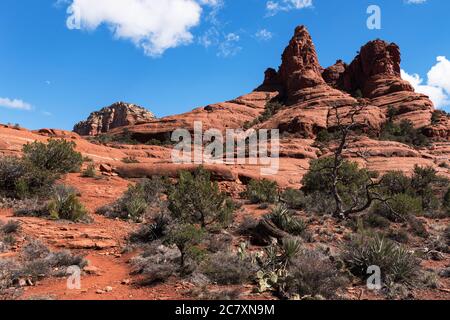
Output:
(415, 1)
(15, 104)
(437, 86)
(264, 35)
(273, 7)
(152, 25)
(229, 47)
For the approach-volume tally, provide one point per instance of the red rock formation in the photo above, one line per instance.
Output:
(300, 66)
(117, 115)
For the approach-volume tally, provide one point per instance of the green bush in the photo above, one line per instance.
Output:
(294, 199)
(56, 156)
(403, 132)
(395, 182)
(136, 201)
(20, 179)
(318, 183)
(397, 264)
(184, 237)
(65, 205)
(149, 232)
(399, 208)
(262, 191)
(195, 199)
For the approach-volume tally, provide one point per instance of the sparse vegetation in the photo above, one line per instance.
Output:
(12, 226)
(403, 132)
(271, 108)
(286, 221)
(312, 274)
(396, 262)
(64, 204)
(195, 199)
(262, 191)
(294, 199)
(35, 262)
(137, 200)
(227, 268)
(90, 171)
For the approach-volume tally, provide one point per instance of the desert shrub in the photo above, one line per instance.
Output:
(11, 226)
(294, 199)
(32, 208)
(195, 199)
(397, 264)
(65, 259)
(403, 132)
(352, 183)
(20, 179)
(34, 249)
(226, 268)
(418, 227)
(218, 242)
(446, 200)
(376, 221)
(400, 236)
(247, 226)
(149, 232)
(423, 182)
(157, 263)
(271, 108)
(90, 171)
(318, 203)
(137, 200)
(313, 274)
(57, 156)
(262, 191)
(286, 221)
(395, 182)
(184, 237)
(37, 261)
(65, 205)
(399, 208)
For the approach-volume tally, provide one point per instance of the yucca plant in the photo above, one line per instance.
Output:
(397, 264)
(65, 205)
(284, 219)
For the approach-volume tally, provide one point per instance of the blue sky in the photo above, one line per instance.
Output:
(170, 56)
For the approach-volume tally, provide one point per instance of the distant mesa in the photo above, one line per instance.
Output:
(306, 90)
(118, 115)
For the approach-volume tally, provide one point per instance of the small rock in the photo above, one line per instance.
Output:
(22, 282)
(92, 270)
(108, 289)
(99, 291)
(126, 282)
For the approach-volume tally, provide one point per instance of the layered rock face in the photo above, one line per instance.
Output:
(117, 115)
